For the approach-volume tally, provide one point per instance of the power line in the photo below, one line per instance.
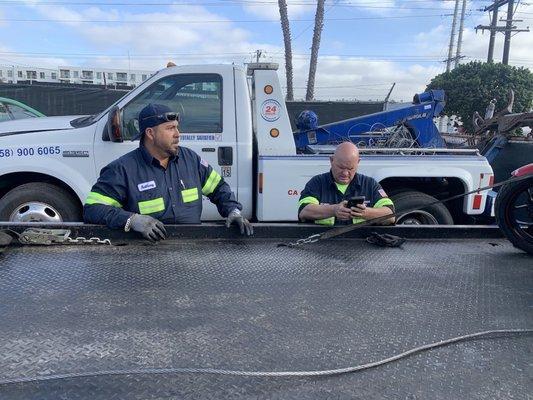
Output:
(200, 55)
(217, 21)
(325, 57)
(222, 4)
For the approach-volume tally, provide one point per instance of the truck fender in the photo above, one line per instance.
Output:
(524, 170)
(70, 177)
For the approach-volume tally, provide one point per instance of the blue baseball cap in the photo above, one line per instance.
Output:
(155, 114)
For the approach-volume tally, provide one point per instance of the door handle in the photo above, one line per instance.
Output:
(225, 155)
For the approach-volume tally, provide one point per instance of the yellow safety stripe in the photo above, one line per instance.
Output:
(326, 221)
(97, 198)
(358, 220)
(385, 201)
(151, 206)
(211, 183)
(308, 200)
(189, 195)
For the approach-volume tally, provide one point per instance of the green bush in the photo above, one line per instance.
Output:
(470, 87)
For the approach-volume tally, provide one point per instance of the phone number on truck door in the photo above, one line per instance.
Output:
(31, 151)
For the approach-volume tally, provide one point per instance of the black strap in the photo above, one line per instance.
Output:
(385, 240)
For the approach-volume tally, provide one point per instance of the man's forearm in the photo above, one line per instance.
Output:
(313, 212)
(380, 212)
(224, 199)
(112, 217)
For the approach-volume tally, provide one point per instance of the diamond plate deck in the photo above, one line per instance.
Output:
(245, 304)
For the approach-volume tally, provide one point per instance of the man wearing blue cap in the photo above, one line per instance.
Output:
(159, 182)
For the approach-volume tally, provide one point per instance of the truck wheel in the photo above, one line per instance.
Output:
(39, 202)
(437, 214)
(514, 213)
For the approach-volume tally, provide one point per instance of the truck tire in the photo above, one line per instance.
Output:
(437, 214)
(39, 202)
(514, 213)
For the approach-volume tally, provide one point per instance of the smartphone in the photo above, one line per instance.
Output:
(354, 201)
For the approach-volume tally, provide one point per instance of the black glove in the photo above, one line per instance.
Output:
(385, 240)
(151, 228)
(244, 225)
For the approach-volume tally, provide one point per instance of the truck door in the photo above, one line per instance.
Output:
(207, 120)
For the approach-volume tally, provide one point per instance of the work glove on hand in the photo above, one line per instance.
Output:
(151, 228)
(244, 225)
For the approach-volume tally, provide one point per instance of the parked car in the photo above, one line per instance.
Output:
(12, 109)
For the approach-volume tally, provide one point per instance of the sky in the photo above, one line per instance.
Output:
(366, 46)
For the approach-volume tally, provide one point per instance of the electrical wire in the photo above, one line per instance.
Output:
(231, 3)
(222, 21)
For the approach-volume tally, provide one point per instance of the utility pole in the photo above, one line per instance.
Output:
(508, 29)
(492, 39)
(460, 38)
(452, 37)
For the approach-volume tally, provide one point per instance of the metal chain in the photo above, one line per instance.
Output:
(38, 236)
(310, 239)
(82, 240)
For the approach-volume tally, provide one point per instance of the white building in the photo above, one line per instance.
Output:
(103, 76)
(78, 75)
(14, 74)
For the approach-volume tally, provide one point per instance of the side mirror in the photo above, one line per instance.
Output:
(114, 125)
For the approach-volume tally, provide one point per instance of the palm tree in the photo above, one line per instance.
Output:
(319, 24)
(288, 50)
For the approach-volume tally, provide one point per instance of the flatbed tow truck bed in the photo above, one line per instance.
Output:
(207, 298)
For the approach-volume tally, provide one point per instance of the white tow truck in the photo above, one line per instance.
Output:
(235, 118)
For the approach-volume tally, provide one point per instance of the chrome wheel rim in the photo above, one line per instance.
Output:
(417, 217)
(35, 211)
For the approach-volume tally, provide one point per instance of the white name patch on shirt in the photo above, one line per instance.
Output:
(146, 186)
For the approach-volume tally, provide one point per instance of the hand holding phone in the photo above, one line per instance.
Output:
(355, 201)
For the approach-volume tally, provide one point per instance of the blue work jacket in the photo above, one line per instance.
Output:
(137, 183)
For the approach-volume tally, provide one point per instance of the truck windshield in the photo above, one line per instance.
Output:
(96, 117)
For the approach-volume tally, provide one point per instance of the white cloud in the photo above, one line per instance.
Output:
(337, 77)
(362, 79)
(25, 61)
(266, 10)
(166, 39)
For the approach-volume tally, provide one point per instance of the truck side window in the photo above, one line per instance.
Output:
(19, 112)
(4, 115)
(197, 97)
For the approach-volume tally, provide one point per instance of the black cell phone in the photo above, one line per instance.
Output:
(354, 201)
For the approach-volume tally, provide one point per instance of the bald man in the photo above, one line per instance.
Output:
(325, 197)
